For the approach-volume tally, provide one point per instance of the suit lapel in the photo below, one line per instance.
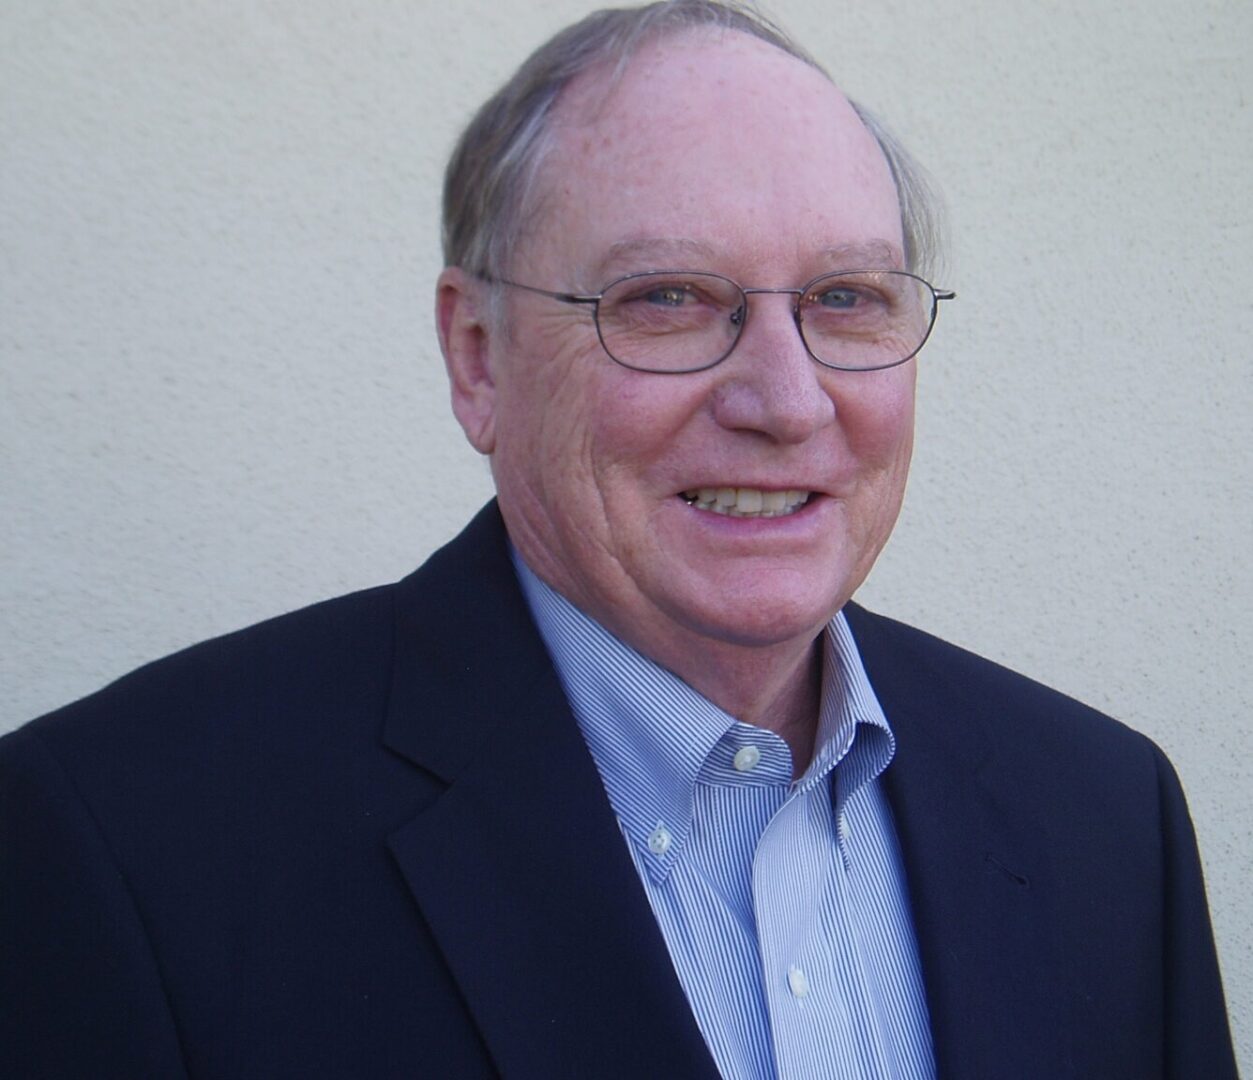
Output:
(980, 883)
(521, 873)
(519, 868)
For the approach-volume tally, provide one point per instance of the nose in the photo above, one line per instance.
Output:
(770, 384)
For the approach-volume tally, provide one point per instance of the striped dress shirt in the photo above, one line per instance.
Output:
(783, 904)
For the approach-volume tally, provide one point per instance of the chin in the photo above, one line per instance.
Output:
(761, 618)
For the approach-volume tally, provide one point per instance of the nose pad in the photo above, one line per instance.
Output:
(800, 329)
(737, 317)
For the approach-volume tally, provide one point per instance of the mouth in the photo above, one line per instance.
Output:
(746, 502)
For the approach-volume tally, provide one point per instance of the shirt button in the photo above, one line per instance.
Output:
(746, 758)
(797, 983)
(659, 840)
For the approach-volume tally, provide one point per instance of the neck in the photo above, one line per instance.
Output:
(777, 689)
(774, 686)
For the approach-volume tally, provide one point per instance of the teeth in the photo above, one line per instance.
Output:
(747, 502)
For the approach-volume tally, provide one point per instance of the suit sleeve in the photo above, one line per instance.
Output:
(1197, 1036)
(80, 991)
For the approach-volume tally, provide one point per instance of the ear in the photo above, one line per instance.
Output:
(464, 331)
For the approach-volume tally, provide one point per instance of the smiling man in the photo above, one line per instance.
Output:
(620, 783)
(649, 198)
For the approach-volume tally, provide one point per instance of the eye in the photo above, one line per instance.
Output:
(664, 293)
(667, 295)
(667, 301)
(838, 298)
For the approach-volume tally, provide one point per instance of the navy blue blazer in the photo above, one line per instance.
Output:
(367, 840)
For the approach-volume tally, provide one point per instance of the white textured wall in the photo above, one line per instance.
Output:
(222, 398)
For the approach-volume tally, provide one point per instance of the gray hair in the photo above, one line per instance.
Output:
(489, 182)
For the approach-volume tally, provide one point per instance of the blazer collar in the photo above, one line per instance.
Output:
(979, 878)
(519, 867)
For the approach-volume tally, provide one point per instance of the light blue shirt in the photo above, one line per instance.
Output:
(783, 904)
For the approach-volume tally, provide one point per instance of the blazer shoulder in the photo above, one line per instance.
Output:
(269, 731)
(918, 674)
(320, 676)
(277, 667)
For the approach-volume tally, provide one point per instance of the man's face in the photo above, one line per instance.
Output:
(721, 155)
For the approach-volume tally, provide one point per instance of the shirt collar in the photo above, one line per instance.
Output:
(653, 737)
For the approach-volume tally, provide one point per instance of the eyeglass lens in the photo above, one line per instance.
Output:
(671, 322)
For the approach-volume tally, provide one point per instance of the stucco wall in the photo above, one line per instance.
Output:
(222, 398)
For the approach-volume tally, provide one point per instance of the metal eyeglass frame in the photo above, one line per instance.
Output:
(595, 298)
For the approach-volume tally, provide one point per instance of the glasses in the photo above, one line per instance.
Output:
(673, 322)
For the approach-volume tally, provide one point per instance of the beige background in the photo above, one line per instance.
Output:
(221, 395)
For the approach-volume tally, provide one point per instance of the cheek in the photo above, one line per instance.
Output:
(636, 422)
(878, 419)
(541, 438)
(578, 434)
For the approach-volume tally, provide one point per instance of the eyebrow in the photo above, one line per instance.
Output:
(873, 255)
(673, 253)
(633, 253)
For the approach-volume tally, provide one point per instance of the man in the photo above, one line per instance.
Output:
(620, 783)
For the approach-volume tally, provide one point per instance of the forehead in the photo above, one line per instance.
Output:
(719, 146)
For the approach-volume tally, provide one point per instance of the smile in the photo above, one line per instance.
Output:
(746, 502)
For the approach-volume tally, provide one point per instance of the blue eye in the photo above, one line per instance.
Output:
(836, 298)
(668, 295)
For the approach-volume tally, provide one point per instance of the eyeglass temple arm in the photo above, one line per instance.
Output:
(944, 294)
(567, 298)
